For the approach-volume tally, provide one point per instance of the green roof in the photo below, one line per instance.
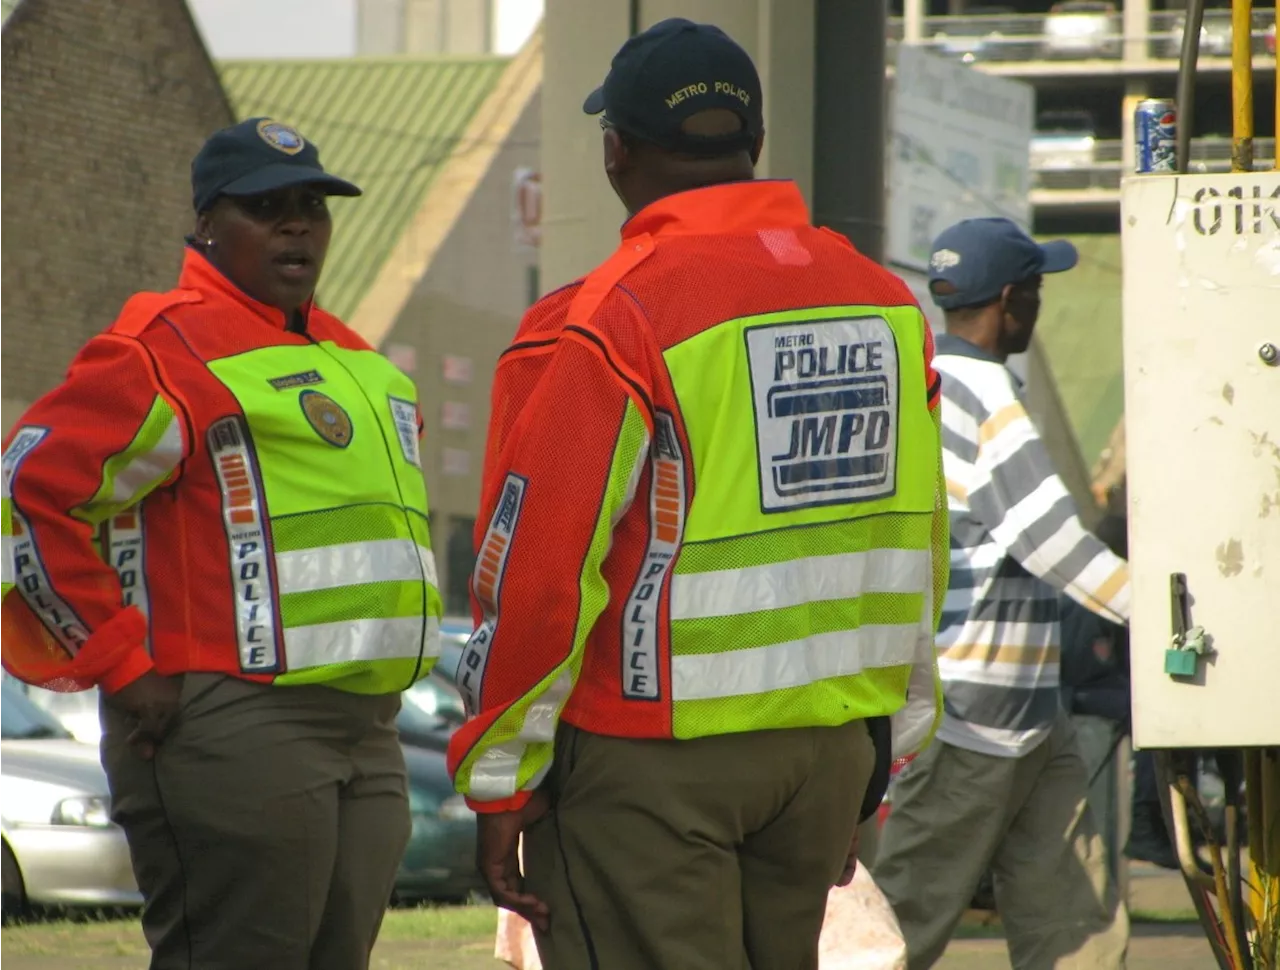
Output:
(387, 124)
(1079, 330)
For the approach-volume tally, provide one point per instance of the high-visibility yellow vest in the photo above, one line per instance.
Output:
(792, 615)
(6, 534)
(353, 568)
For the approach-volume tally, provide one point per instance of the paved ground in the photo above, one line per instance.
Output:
(1155, 946)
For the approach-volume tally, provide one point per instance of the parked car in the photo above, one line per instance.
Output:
(1215, 36)
(439, 862)
(1082, 29)
(980, 35)
(433, 709)
(60, 847)
(1269, 39)
(1064, 140)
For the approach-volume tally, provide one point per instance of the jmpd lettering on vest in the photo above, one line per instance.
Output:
(807, 362)
(821, 437)
(687, 92)
(825, 394)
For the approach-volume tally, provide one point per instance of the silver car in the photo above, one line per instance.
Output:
(60, 847)
(1082, 30)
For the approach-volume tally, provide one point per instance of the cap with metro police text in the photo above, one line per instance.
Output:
(258, 155)
(673, 70)
(980, 257)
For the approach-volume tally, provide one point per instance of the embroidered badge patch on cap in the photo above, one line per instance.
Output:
(281, 137)
(327, 418)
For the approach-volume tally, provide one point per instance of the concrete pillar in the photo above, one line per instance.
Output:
(849, 123)
(580, 214)
(1137, 26)
(913, 12)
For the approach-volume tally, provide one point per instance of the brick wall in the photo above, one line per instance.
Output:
(104, 106)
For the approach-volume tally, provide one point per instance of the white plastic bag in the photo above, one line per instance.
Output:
(858, 933)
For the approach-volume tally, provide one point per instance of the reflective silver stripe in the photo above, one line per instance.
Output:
(398, 638)
(151, 466)
(793, 664)
(351, 563)
(496, 772)
(728, 592)
(5, 535)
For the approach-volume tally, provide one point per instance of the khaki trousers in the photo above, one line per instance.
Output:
(956, 812)
(268, 829)
(711, 854)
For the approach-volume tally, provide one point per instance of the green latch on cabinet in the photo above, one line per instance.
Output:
(1189, 643)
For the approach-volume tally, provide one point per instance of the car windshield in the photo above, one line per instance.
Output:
(21, 720)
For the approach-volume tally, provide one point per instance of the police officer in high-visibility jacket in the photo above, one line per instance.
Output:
(712, 539)
(219, 518)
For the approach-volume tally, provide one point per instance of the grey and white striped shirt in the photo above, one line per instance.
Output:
(1016, 542)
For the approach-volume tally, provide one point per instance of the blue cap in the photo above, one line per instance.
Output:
(673, 70)
(980, 257)
(258, 155)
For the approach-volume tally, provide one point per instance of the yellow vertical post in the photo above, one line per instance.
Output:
(1242, 85)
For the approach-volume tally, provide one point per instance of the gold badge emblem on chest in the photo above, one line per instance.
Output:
(327, 417)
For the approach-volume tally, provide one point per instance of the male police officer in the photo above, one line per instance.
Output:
(712, 535)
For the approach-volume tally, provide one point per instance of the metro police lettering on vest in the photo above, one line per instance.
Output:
(32, 579)
(126, 549)
(640, 678)
(251, 570)
(825, 396)
(487, 586)
(29, 574)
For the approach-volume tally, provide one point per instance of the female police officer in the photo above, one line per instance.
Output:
(219, 518)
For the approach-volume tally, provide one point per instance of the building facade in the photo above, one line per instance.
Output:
(425, 26)
(104, 107)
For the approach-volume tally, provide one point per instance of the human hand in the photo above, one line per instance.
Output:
(850, 862)
(152, 701)
(498, 858)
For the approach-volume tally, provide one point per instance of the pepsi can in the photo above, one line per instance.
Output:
(1155, 125)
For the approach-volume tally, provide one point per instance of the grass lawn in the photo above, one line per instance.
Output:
(461, 938)
(444, 938)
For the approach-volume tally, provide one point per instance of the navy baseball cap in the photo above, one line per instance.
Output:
(980, 257)
(672, 71)
(256, 156)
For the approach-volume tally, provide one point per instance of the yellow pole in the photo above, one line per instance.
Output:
(1242, 85)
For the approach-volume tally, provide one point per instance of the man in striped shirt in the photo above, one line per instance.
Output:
(1003, 785)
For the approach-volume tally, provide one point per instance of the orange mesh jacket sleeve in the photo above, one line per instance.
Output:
(87, 451)
(568, 436)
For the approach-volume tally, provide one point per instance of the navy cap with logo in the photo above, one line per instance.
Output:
(673, 70)
(256, 156)
(980, 257)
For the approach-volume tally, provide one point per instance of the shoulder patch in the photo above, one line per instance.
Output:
(23, 443)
